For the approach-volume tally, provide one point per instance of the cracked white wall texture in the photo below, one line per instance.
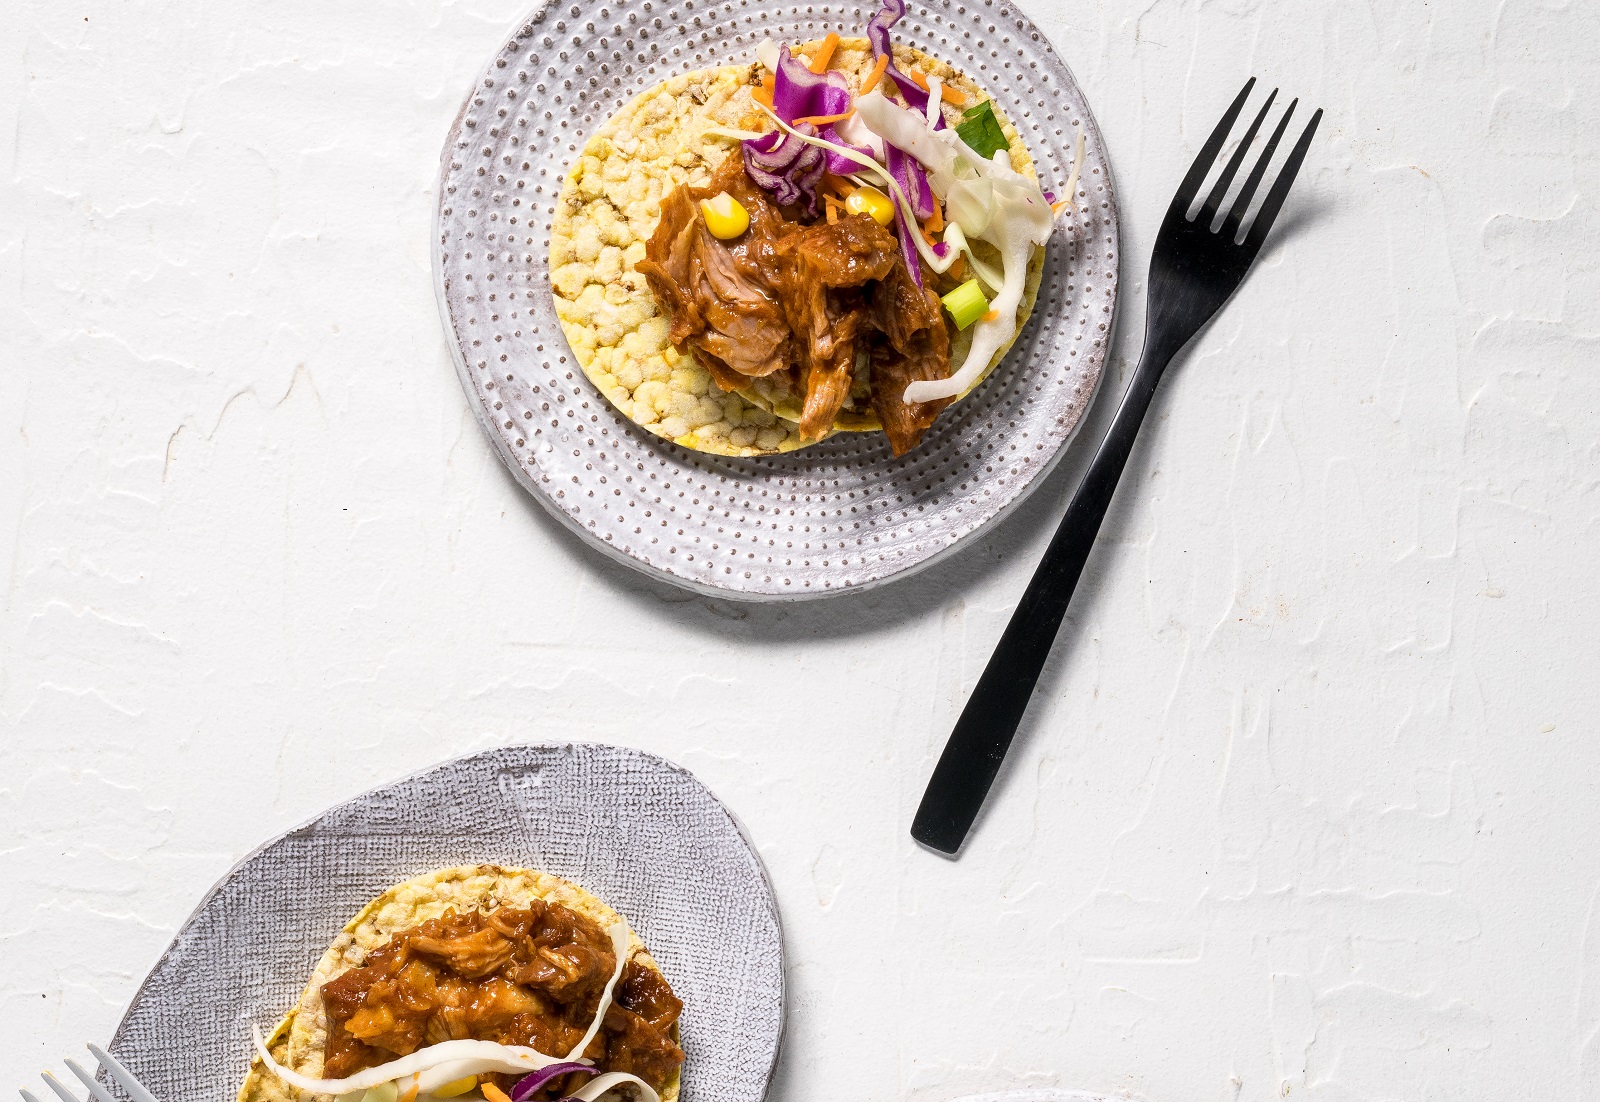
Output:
(1305, 807)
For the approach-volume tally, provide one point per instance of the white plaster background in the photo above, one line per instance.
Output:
(1307, 805)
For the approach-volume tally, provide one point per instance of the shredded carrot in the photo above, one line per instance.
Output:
(494, 1093)
(935, 222)
(838, 185)
(832, 206)
(876, 75)
(958, 268)
(763, 96)
(770, 82)
(950, 95)
(819, 64)
(927, 237)
(992, 315)
(1061, 206)
(823, 120)
(410, 1093)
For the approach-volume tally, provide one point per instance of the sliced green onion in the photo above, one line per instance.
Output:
(966, 303)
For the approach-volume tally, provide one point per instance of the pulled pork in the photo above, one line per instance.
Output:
(520, 976)
(801, 300)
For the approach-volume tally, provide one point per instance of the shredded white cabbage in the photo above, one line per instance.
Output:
(854, 131)
(428, 1069)
(457, 1058)
(1018, 220)
(601, 1084)
(1071, 194)
(731, 132)
(767, 54)
(619, 943)
(980, 268)
(935, 98)
(908, 131)
(970, 205)
(1022, 221)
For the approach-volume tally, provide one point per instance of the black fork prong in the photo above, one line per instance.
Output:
(1280, 187)
(1241, 204)
(1208, 213)
(1208, 154)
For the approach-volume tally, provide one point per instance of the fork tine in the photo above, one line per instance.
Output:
(99, 1092)
(122, 1075)
(1208, 154)
(1215, 200)
(27, 1096)
(1280, 187)
(61, 1092)
(1241, 204)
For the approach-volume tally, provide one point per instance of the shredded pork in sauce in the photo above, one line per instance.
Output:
(529, 976)
(801, 299)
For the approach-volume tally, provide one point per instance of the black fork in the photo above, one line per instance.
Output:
(1193, 270)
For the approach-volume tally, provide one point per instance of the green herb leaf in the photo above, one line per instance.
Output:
(981, 130)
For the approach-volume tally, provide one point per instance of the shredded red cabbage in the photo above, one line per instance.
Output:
(878, 34)
(838, 163)
(908, 247)
(798, 93)
(530, 1083)
(911, 178)
(905, 169)
(786, 166)
(782, 163)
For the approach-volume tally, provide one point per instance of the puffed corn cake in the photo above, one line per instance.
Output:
(609, 206)
(299, 1039)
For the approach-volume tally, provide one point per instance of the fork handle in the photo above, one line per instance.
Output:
(978, 745)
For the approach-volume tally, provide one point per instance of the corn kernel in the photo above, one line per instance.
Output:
(871, 202)
(456, 1087)
(726, 217)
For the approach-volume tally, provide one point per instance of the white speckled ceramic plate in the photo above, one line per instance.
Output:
(638, 831)
(841, 514)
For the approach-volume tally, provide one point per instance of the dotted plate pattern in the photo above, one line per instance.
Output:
(841, 514)
(638, 831)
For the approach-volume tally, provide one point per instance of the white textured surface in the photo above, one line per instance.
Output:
(1308, 803)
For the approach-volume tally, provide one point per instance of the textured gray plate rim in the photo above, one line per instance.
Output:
(752, 1034)
(790, 527)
